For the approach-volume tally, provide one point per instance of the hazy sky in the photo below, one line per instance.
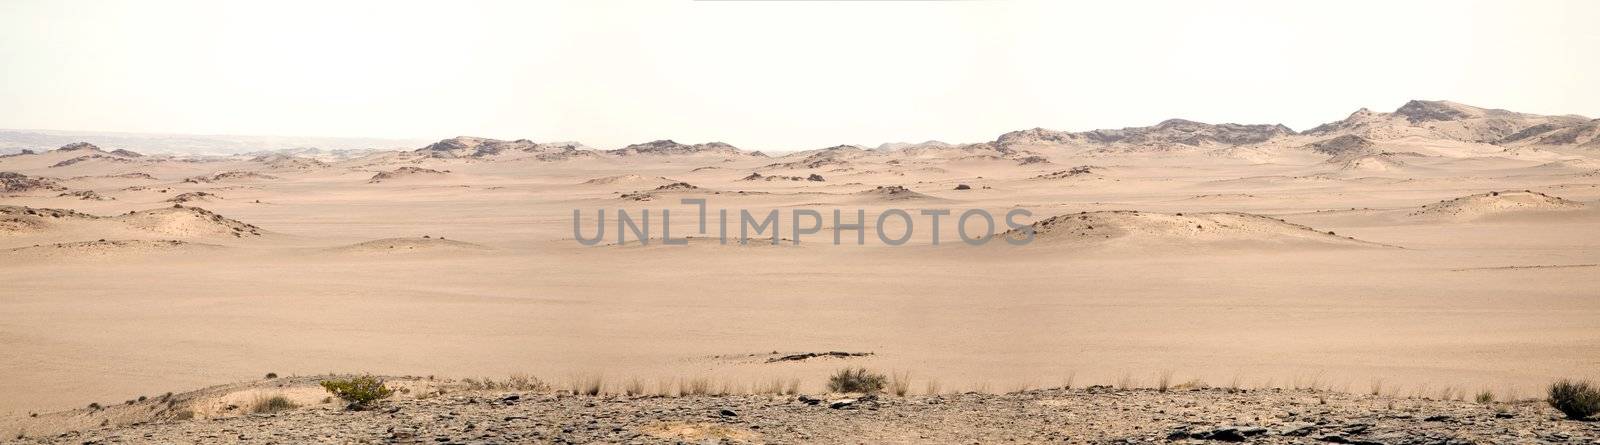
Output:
(772, 75)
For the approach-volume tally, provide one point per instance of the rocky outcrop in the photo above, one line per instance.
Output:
(476, 147)
(837, 155)
(668, 147)
(80, 146)
(1340, 145)
(1581, 134)
(228, 176)
(405, 172)
(760, 177)
(1172, 133)
(13, 182)
(84, 158)
(1451, 121)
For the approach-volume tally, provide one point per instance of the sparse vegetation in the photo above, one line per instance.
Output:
(1579, 400)
(525, 382)
(900, 384)
(1485, 396)
(359, 391)
(1125, 382)
(635, 387)
(698, 386)
(516, 382)
(856, 380)
(272, 375)
(272, 404)
(1164, 381)
(587, 385)
(95, 406)
(779, 387)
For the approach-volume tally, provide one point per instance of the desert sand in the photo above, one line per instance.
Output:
(1438, 246)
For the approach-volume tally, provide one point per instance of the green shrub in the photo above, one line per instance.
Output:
(358, 391)
(1579, 400)
(856, 380)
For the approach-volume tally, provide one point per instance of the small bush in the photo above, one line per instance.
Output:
(856, 380)
(1579, 400)
(264, 405)
(1485, 396)
(272, 375)
(358, 391)
(94, 406)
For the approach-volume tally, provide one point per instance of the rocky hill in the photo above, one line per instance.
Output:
(668, 147)
(1167, 135)
(476, 147)
(1447, 120)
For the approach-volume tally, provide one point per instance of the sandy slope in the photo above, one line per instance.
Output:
(289, 268)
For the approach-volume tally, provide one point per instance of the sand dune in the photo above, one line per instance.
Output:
(892, 193)
(178, 221)
(1386, 163)
(188, 222)
(405, 173)
(631, 179)
(230, 176)
(118, 249)
(193, 197)
(411, 245)
(1495, 203)
(1213, 230)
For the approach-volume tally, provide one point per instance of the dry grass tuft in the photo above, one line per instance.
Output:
(698, 386)
(900, 384)
(272, 404)
(587, 384)
(1485, 396)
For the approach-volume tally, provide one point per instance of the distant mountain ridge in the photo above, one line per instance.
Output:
(1357, 133)
(12, 141)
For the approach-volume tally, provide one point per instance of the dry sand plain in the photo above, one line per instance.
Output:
(458, 260)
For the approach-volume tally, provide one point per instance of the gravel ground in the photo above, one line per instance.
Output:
(1092, 415)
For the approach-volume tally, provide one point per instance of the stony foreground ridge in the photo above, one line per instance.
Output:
(1092, 415)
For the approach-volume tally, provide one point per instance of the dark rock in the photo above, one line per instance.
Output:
(1297, 428)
